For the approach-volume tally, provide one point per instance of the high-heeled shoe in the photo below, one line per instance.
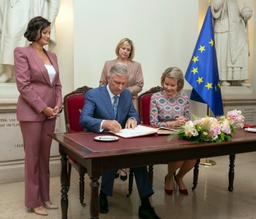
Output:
(50, 205)
(123, 175)
(167, 191)
(40, 211)
(182, 191)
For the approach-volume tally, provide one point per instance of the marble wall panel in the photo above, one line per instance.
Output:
(11, 143)
(248, 111)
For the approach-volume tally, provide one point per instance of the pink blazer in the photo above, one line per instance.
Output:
(33, 83)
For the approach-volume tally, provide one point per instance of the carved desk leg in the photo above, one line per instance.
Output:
(81, 189)
(151, 174)
(130, 186)
(196, 171)
(94, 207)
(231, 174)
(64, 184)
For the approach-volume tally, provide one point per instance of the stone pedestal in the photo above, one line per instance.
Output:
(11, 143)
(240, 98)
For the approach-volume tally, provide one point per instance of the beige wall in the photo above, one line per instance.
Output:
(164, 33)
(65, 44)
(157, 29)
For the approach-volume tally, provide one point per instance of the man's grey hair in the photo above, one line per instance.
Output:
(118, 69)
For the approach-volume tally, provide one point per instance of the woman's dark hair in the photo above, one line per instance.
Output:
(35, 24)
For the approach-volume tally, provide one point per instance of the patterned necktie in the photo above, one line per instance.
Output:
(115, 105)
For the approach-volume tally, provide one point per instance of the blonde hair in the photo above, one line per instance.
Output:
(124, 42)
(175, 73)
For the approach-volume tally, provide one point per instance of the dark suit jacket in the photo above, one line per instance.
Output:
(98, 107)
(33, 83)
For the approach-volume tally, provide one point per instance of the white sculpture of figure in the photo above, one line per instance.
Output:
(14, 17)
(231, 41)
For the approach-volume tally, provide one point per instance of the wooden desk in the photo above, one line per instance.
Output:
(98, 156)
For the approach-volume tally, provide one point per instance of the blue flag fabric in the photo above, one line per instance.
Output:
(202, 73)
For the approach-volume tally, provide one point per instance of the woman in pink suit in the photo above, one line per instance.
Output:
(39, 103)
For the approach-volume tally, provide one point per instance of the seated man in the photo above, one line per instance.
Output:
(101, 112)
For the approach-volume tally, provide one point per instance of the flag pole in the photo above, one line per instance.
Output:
(202, 73)
(207, 161)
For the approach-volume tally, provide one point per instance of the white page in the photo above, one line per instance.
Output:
(139, 130)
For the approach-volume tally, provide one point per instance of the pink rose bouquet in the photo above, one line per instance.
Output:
(211, 129)
(236, 118)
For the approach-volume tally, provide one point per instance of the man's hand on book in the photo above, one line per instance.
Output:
(112, 125)
(131, 123)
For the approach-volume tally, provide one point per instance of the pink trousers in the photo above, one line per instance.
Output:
(37, 145)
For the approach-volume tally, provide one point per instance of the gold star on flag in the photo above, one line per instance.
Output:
(199, 80)
(211, 42)
(195, 59)
(208, 85)
(201, 48)
(194, 70)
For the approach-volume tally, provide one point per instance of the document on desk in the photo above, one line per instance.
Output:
(142, 130)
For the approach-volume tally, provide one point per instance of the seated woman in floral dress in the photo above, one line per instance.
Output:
(170, 108)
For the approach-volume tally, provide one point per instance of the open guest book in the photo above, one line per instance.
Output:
(142, 130)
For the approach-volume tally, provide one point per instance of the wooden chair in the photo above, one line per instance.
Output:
(73, 103)
(144, 107)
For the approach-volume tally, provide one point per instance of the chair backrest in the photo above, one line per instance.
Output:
(73, 104)
(144, 104)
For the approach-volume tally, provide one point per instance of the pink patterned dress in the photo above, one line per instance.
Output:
(164, 108)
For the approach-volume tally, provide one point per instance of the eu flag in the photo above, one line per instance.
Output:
(202, 73)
